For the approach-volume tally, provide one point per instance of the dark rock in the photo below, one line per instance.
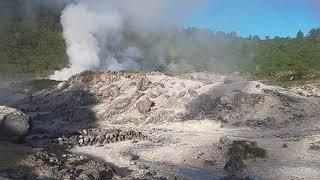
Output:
(315, 146)
(258, 86)
(101, 139)
(209, 163)
(94, 175)
(92, 139)
(235, 163)
(70, 166)
(285, 146)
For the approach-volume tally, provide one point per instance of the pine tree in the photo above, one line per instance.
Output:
(300, 35)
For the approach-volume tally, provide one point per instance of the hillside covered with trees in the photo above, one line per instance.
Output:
(31, 39)
(31, 42)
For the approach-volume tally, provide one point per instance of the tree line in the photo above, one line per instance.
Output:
(35, 45)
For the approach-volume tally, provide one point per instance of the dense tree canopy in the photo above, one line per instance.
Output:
(31, 40)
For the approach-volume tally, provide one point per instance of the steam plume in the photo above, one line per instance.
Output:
(94, 30)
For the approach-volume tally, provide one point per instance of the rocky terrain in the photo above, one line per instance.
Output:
(116, 125)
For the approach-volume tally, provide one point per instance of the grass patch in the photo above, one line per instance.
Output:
(40, 84)
(240, 150)
(247, 149)
(132, 73)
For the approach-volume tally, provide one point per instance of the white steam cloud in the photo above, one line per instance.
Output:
(93, 31)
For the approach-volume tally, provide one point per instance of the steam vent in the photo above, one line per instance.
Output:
(159, 90)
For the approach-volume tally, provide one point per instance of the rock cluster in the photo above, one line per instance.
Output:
(308, 90)
(45, 165)
(315, 146)
(94, 137)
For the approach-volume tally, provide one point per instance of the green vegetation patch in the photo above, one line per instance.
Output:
(31, 44)
(240, 150)
(247, 149)
(40, 84)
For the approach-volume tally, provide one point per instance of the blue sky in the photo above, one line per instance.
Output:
(258, 17)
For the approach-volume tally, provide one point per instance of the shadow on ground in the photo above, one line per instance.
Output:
(208, 104)
(54, 114)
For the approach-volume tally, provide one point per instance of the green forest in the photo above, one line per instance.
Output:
(35, 45)
(31, 40)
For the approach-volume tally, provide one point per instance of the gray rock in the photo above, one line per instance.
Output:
(107, 136)
(154, 94)
(101, 139)
(181, 94)
(73, 140)
(315, 146)
(144, 106)
(83, 177)
(143, 84)
(92, 139)
(60, 141)
(85, 132)
(14, 125)
(235, 163)
(81, 141)
(86, 140)
(192, 92)
(258, 86)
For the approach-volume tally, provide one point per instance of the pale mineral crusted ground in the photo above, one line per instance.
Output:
(181, 126)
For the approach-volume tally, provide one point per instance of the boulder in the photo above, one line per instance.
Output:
(144, 106)
(14, 125)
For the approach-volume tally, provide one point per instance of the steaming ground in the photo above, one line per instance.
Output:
(187, 125)
(96, 33)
